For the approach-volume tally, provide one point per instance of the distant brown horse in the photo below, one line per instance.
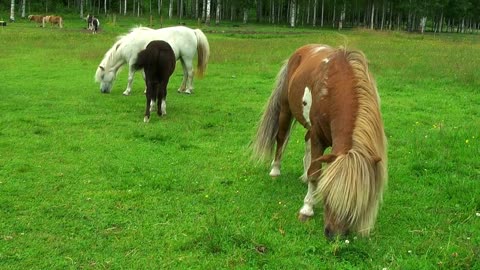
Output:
(53, 20)
(36, 18)
(330, 93)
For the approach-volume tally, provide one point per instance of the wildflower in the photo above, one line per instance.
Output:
(478, 214)
(347, 242)
(409, 252)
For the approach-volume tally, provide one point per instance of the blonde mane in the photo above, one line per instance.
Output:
(352, 185)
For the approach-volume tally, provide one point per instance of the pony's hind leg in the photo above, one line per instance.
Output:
(161, 97)
(146, 119)
(183, 86)
(285, 122)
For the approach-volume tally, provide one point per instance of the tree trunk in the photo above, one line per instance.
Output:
(12, 11)
(207, 12)
(124, 7)
(259, 10)
(245, 15)
(314, 19)
(219, 8)
(105, 6)
(440, 27)
(383, 16)
(372, 16)
(204, 10)
(170, 9)
(292, 12)
(196, 9)
(334, 11)
(23, 8)
(323, 10)
(81, 9)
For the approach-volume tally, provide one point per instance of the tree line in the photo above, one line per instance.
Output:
(410, 15)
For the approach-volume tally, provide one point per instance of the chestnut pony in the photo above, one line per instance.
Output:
(158, 63)
(331, 93)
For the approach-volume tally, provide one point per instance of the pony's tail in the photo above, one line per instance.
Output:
(264, 141)
(203, 51)
(352, 187)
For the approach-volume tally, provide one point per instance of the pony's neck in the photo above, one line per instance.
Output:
(113, 59)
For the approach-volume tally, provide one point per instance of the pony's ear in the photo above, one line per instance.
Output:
(102, 68)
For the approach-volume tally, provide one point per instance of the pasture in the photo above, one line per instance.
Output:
(86, 184)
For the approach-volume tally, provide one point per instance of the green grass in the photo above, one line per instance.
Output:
(85, 184)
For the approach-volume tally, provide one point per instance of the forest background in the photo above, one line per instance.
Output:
(412, 15)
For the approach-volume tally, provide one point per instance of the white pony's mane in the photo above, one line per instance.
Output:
(112, 56)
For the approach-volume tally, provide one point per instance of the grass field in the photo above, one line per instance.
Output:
(85, 184)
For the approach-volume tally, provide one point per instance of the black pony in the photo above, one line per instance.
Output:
(158, 62)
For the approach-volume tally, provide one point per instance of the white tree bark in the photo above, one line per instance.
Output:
(245, 15)
(81, 9)
(125, 7)
(293, 13)
(23, 8)
(12, 10)
(105, 6)
(219, 8)
(204, 10)
(207, 12)
(314, 19)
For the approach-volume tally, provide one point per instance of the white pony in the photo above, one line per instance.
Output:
(184, 41)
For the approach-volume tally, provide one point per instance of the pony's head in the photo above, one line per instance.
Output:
(105, 77)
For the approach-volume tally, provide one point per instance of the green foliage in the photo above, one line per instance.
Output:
(85, 184)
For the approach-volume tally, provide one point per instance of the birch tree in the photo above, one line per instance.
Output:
(293, 13)
(23, 8)
(170, 9)
(12, 11)
(219, 8)
(207, 12)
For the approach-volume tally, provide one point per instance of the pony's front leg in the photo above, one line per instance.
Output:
(131, 73)
(307, 158)
(313, 176)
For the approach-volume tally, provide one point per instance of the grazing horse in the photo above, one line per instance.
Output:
(53, 20)
(158, 62)
(36, 18)
(92, 23)
(331, 93)
(184, 41)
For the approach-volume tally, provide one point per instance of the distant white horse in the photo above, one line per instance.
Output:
(184, 41)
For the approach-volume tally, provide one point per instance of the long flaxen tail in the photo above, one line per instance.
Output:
(352, 185)
(264, 141)
(203, 52)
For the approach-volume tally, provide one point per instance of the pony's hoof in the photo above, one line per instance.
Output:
(146, 119)
(188, 92)
(126, 93)
(303, 217)
(274, 173)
